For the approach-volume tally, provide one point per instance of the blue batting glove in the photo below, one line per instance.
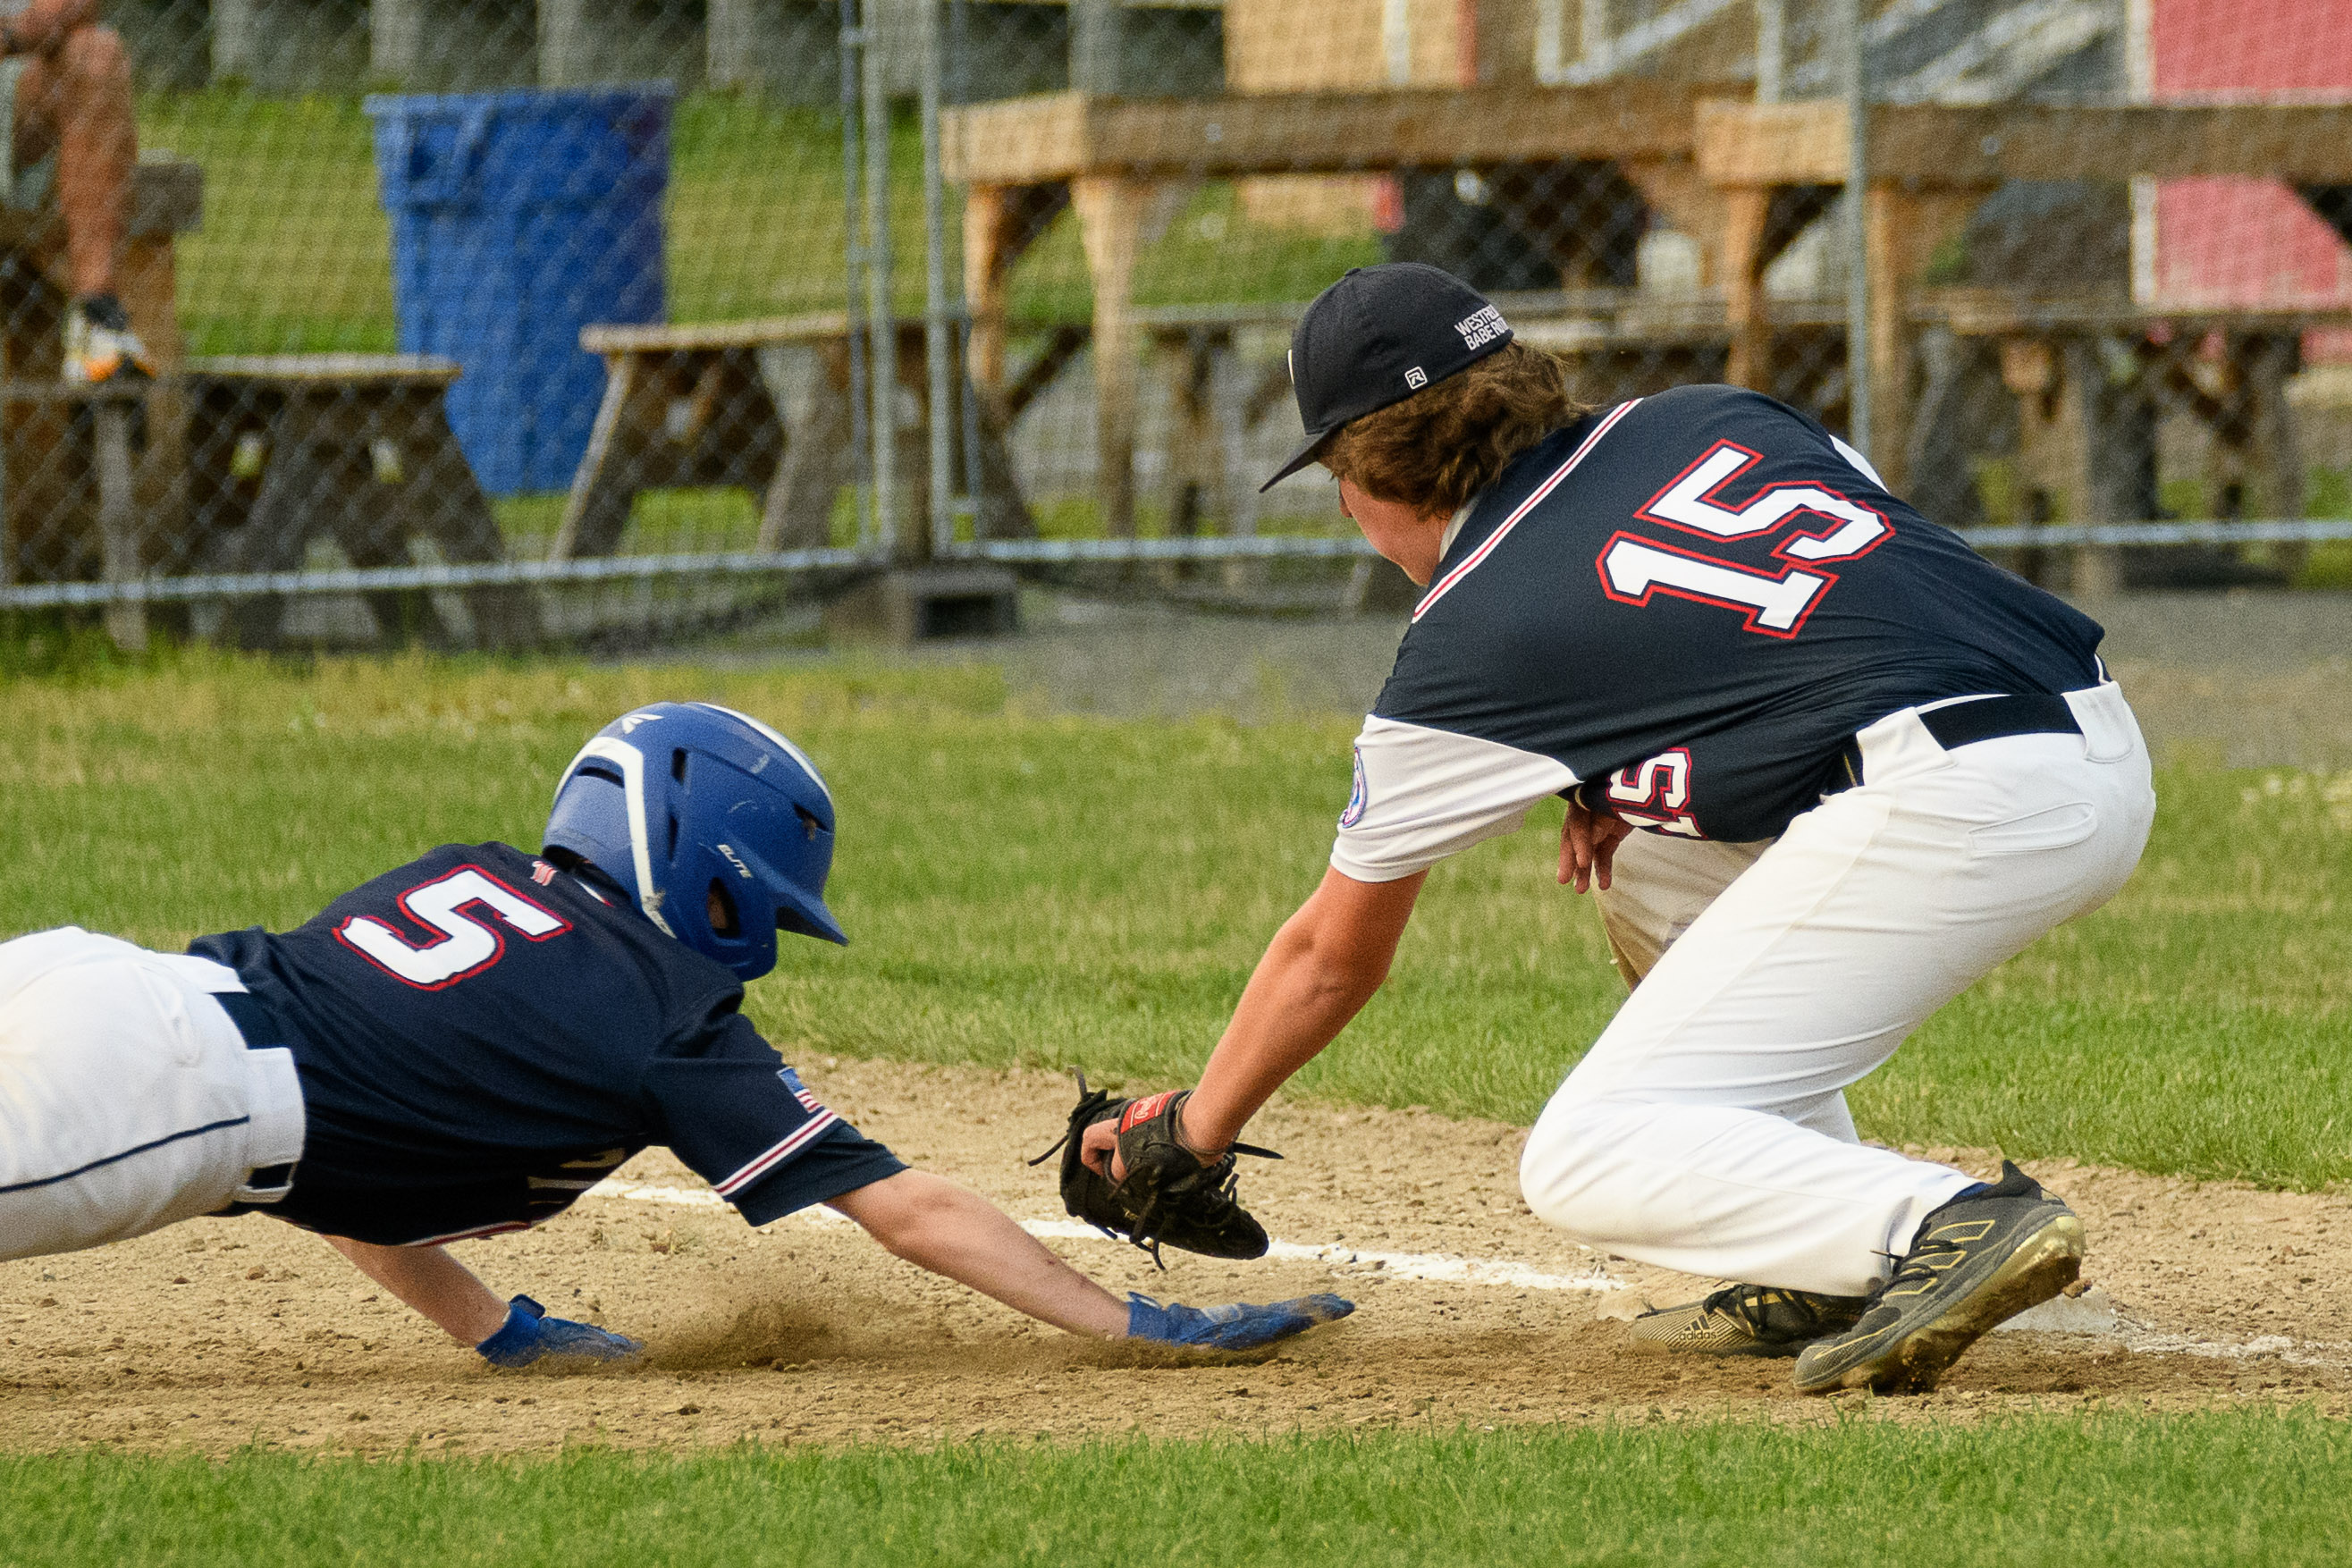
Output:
(1236, 1327)
(530, 1334)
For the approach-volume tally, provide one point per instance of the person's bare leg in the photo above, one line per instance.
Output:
(933, 1224)
(79, 102)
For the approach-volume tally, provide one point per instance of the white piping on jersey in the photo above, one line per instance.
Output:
(1445, 584)
(1861, 463)
(762, 1164)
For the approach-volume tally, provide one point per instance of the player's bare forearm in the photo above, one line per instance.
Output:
(933, 1224)
(1317, 973)
(433, 1282)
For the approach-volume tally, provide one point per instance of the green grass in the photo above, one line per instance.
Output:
(660, 523)
(1084, 893)
(2329, 563)
(294, 255)
(1045, 890)
(2087, 1491)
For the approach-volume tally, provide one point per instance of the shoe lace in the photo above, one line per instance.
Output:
(1214, 1197)
(1921, 1265)
(1750, 1304)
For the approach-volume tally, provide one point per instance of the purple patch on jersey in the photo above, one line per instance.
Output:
(1359, 798)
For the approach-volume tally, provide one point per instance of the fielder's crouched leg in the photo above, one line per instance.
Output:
(1726, 1194)
(1706, 1130)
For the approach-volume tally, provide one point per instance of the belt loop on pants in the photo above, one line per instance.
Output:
(275, 1082)
(1997, 718)
(1965, 723)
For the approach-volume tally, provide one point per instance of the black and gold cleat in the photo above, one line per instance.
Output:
(1977, 1261)
(1746, 1320)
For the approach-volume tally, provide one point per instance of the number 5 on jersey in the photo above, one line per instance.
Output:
(469, 911)
(1656, 793)
(1775, 604)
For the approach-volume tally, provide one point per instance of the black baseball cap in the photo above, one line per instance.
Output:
(1378, 336)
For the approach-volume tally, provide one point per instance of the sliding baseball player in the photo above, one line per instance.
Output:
(466, 1044)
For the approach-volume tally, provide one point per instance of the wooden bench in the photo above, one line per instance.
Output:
(284, 448)
(2226, 368)
(1776, 165)
(707, 406)
(1123, 165)
(1618, 344)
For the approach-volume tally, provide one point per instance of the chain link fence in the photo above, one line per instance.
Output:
(491, 323)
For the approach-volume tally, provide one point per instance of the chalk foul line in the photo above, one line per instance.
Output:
(1429, 1266)
(2094, 1314)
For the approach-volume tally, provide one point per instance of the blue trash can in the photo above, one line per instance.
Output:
(517, 219)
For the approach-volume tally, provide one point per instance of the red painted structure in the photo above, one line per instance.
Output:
(2238, 241)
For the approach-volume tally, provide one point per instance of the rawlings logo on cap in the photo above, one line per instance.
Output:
(1143, 1111)
(1481, 327)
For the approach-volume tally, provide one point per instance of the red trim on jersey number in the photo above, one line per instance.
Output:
(432, 965)
(1768, 511)
(1656, 792)
(1722, 572)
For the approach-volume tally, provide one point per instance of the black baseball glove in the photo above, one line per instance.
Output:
(1168, 1196)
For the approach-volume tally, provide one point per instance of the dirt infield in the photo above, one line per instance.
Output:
(223, 1333)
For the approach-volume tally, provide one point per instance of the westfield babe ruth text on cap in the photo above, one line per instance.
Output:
(1378, 336)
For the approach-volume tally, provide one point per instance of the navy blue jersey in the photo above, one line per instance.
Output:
(481, 1038)
(1697, 597)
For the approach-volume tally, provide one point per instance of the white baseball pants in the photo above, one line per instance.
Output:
(128, 1100)
(1707, 1131)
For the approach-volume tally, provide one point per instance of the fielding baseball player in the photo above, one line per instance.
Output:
(1865, 766)
(466, 1045)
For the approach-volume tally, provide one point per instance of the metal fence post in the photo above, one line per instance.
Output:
(957, 87)
(1096, 47)
(881, 325)
(854, 37)
(935, 323)
(1854, 85)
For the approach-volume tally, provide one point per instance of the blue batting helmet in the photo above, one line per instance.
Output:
(674, 799)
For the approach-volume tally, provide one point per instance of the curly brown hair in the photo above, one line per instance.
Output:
(1444, 443)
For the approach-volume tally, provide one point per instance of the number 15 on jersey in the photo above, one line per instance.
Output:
(1633, 568)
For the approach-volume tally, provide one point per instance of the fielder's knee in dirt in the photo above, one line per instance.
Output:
(1576, 1173)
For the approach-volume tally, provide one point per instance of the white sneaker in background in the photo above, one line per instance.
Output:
(99, 344)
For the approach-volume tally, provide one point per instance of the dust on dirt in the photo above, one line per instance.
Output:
(218, 1334)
